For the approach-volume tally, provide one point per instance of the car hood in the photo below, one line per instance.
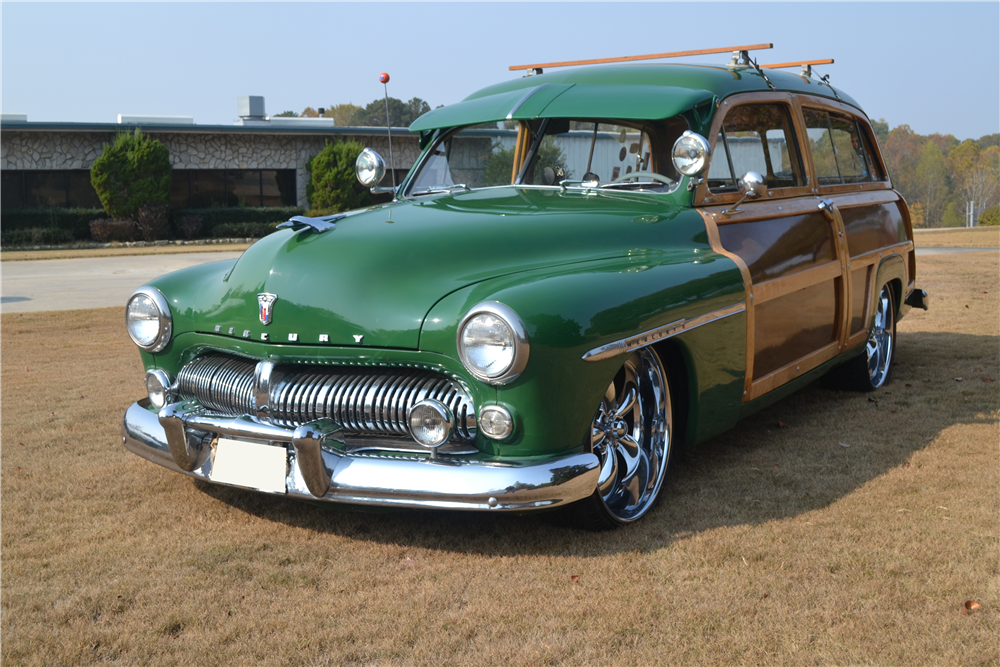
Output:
(372, 279)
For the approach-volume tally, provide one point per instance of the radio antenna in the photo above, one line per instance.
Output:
(384, 78)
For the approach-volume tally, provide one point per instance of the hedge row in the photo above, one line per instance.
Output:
(51, 226)
(75, 221)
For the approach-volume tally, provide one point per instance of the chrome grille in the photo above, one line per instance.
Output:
(365, 401)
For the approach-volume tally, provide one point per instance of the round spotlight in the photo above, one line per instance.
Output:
(690, 153)
(430, 423)
(158, 385)
(369, 167)
(495, 422)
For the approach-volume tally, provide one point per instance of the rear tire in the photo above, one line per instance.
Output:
(872, 369)
(631, 436)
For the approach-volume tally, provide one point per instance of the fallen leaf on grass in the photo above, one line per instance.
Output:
(903, 510)
(927, 379)
(966, 305)
(958, 379)
(575, 578)
(969, 607)
(907, 385)
(844, 444)
(986, 379)
(764, 596)
(782, 424)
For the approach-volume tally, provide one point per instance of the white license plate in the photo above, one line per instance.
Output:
(251, 465)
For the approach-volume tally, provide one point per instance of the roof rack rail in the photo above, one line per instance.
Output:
(805, 64)
(537, 68)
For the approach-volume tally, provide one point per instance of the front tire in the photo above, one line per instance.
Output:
(631, 435)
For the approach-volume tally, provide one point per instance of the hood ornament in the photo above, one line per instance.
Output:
(266, 302)
(318, 224)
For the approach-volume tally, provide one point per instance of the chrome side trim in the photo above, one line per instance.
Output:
(660, 333)
(510, 114)
(387, 481)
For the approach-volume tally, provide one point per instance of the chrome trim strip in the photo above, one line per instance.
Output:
(660, 333)
(510, 114)
(387, 481)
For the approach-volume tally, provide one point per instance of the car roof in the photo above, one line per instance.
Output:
(649, 91)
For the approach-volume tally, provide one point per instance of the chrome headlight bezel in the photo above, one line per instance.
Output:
(520, 338)
(165, 319)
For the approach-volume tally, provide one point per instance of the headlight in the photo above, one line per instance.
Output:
(147, 318)
(493, 343)
(690, 154)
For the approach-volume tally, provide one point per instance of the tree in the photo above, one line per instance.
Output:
(977, 173)
(401, 114)
(132, 173)
(902, 153)
(341, 113)
(990, 217)
(332, 184)
(309, 112)
(286, 114)
(932, 182)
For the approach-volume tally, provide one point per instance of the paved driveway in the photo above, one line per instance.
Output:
(98, 282)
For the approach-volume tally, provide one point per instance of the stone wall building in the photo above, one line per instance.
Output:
(258, 162)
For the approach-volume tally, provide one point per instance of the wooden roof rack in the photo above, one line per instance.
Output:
(805, 64)
(538, 67)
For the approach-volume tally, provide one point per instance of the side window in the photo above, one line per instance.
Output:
(756, 137)
(839, 148)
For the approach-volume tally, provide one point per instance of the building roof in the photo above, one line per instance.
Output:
(152, 128)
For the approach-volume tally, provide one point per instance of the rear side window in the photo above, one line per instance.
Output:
(756, 137)
(841, 151)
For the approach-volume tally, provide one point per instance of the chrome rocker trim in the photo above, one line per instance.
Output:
(177, 437)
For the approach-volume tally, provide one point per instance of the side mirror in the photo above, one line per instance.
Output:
(752, 186)
(369, 168)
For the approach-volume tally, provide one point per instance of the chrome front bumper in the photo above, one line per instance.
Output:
(178, 438)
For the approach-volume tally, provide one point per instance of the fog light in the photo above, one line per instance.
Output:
(430, 423)
(495, 422)
(158, 385)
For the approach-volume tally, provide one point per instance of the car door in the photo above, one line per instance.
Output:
(852, 183)
(789, 248)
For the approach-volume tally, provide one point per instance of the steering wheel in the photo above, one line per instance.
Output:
(652, 175)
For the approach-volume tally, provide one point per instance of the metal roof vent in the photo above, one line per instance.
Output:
(250, 107)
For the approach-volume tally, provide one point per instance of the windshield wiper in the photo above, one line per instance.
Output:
(441, 189)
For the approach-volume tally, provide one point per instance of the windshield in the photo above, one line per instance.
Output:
(613, 154)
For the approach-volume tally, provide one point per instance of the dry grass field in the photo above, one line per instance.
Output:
(831, 528)
(975, 237)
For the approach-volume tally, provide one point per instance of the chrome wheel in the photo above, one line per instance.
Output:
(880, 340)
(630, 435)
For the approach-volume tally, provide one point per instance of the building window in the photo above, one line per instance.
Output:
(189, 188)
(206, 188)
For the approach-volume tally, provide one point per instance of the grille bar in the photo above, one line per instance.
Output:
(364, 401)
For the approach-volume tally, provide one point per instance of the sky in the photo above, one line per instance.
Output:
(933, 66)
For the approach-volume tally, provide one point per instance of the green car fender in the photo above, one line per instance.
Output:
(572, 309)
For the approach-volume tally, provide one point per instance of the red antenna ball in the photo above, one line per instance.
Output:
(384, 77)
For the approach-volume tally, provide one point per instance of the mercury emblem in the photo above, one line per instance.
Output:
(266, 302)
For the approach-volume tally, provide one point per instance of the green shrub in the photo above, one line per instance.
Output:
(951, 217)
(133, 172)
(35, 236)
(990, 217)
(244, 230)
(76, 221)
(332, 183)
(212, 217)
